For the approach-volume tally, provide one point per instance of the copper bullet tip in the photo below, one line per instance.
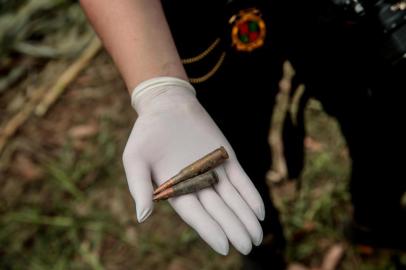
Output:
(167, 193)
(164, 186)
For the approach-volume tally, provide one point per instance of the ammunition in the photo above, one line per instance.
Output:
(200, 166)
(189, 186)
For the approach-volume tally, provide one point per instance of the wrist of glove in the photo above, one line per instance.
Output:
(172, 131)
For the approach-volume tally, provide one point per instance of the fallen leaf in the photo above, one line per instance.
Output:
(313, 145)
(365, 250)
(178, 264)
(297, 266)
(27, 168)
(83, 131)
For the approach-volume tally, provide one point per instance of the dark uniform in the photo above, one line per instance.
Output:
(337, 60)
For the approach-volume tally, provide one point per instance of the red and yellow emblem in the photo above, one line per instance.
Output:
(248, 30)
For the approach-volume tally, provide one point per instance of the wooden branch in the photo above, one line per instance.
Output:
(19, 118)
(333, 257)
(67, 77)
(279, 169)
(46, 97)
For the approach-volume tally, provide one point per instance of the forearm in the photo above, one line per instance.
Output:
(137, 36)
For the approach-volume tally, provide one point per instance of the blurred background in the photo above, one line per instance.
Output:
(64, 119)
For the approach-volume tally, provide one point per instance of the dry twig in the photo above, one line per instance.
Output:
(46, 97)
(68, 76)
(279, 170)
(19, 118)
(333, 257)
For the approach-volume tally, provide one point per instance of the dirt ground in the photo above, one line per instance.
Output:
(64, 202)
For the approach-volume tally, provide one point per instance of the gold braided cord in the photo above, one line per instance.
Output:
(211, 72)
(202, 54)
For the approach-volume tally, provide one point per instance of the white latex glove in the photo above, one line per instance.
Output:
(172, 131)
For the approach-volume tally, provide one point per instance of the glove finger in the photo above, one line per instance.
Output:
(245, 187)
(192, 212)
(139, 184)
(227, 220)
(241, 209)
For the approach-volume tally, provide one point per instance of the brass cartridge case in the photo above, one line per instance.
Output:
(200, 166)
(190, 185)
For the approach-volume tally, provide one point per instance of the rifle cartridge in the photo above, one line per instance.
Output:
(202, 165)
(190, 185)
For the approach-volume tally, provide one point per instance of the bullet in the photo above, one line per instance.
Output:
(200, 166)
(190, 185)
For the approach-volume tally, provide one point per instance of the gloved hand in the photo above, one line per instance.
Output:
(172, 131)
